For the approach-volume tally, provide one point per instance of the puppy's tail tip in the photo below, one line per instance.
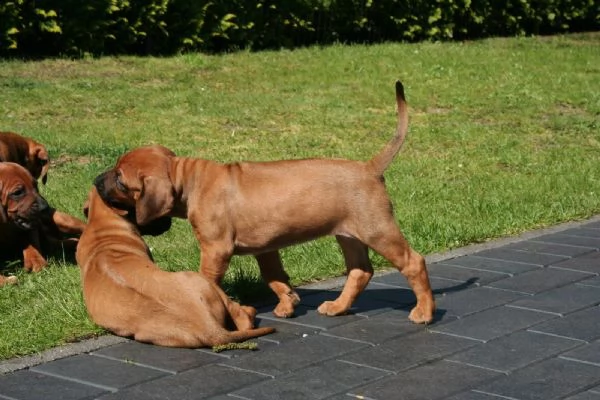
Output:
(381, 161)
(400, 91)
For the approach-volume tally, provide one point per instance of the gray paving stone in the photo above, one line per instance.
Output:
(429, 382)
(391, 293)
(558, 249)
(490, 324)
(309, 317)
(502, 253)
(514, 351)
(309, 350)
(378, 329)
(29, 385)
(585, 396)
(313, 383)
(471, 395)
(589, 262)
(585, 232)
(547, 380)
(591, 282)
(199, 383)
(409, 351)
(493, 265)
(438, 285)
(100, 371)
(456, 273)
(588, 353)
(561, 301)
(582, 325)
(166, 358)
(592, 225)
(367, 303)
(559, 238)
(470, 301)
(285, 330)
(539, 280)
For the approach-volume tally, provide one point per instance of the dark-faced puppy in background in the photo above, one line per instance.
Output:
(126, 293)
(25, 152)
(259, 207)
(27, 222)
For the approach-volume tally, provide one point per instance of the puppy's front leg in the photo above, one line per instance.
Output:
(33, 261)
(214, 260)
(272, 272)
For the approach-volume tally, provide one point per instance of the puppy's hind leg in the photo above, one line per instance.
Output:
(360, 271)
(392, 245)
(242, 316)
(271, 270)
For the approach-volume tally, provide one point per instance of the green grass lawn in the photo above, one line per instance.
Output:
(504, 137)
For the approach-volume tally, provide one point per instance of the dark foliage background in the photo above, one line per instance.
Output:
(42, 28)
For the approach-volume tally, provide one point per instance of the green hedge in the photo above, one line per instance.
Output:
(33, 28)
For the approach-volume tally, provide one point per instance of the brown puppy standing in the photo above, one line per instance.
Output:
(258, 208)
(128, 294)
(25, 217)
(26, 152)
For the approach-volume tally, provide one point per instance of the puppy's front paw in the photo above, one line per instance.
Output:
(284, 310)
(421, 315)
(34, 263)
(287, 303)
(331, 309)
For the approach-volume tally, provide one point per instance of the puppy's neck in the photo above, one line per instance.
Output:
(187, 175)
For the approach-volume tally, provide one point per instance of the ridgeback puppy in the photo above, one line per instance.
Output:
(26, 152)
(126, 293)
(259, 207)
(27, 222)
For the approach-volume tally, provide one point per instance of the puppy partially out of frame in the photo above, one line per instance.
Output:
(26, 152)
(126, 293)
(28, 225)
(259, 207)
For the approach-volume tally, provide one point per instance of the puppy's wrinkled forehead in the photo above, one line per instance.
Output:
(13, 175)
(143, 159)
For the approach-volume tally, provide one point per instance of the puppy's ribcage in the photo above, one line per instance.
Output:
(273, 205)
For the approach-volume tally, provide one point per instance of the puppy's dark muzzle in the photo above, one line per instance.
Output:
(103, 191)
(99, 182)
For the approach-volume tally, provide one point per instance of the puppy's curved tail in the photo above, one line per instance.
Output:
(240, 336)
(381, 161)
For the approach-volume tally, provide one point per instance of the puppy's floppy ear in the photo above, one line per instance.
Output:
(86, 207)
(156, 199)
(3, 216)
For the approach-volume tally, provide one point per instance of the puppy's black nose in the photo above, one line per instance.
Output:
(99, 182)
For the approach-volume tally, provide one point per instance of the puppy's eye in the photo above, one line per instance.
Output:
(120, 185)
(17, 194)
(42, 162)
